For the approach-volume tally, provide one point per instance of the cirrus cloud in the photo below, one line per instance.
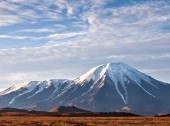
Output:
(93, 33)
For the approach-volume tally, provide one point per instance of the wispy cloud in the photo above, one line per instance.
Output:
(8, 19)
(38, 30)
(94, 33)
(58, 36)
(19, 37)
(52, 37)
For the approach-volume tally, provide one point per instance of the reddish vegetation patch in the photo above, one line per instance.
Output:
(84, 121)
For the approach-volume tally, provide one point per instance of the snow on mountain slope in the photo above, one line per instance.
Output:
(116, 71)
(29, 90)
(31, 85)
(28, 85)
(107, 87)
(119, 73)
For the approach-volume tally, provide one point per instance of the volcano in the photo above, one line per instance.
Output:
(112, 87)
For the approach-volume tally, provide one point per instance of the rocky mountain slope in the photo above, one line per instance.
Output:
(105, 88)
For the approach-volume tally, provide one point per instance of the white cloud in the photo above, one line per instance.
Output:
(50, 37)
(132, 34)
(17, 11)
(11, 13)
(70, 9)
(58, 36)
(19, 37)
(38, 30)
(8, 19)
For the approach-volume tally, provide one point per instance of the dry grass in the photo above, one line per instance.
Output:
(84, 121)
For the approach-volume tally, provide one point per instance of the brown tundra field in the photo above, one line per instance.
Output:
(84, 121)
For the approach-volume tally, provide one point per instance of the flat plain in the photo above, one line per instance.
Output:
(83, 121)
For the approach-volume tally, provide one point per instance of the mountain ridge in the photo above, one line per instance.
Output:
(105, 88)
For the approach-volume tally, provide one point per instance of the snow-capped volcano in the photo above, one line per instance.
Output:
(120, 74)
(116, 71)
(108, 87)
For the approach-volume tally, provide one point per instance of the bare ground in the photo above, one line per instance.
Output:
(84, 121)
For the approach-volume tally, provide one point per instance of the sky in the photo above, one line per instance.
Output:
(51, 39)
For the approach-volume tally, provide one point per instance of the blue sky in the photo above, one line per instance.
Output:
(42, 39)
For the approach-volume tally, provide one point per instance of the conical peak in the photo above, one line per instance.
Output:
(120, 75)
(119, 65)
(116, 71)
(99, 71)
